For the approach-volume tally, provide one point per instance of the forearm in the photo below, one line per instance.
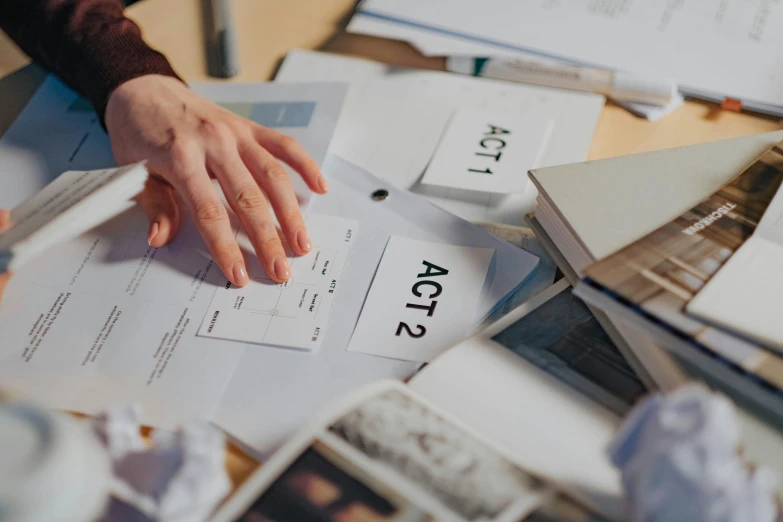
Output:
(89, 44)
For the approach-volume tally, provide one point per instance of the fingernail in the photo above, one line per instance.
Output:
(303, 240)
(323, 184)
(154, 228)
(281, 269)
(240, 275)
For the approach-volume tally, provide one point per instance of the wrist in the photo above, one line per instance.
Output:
(139, 91)
(127, 59)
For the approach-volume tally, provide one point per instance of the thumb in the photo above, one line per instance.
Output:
(158, 201)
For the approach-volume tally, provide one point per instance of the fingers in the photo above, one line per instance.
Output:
(250, 204)
(270, 175)
(162, 210)
(212, 221)
(287, 149)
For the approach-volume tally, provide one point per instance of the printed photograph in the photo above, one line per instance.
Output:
(322, 486)
(562, 338)
(465, 475)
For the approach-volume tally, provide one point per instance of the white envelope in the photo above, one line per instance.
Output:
(284, 388)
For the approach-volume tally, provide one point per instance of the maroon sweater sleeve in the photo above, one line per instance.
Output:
(89, 44)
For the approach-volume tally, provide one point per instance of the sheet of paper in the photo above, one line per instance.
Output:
(423, 297)
(488, 152)
(252, 409)
(394, 118)
(105, 319)
(294, 314)
(712, 49)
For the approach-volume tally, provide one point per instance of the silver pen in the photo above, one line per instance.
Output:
(224, 38)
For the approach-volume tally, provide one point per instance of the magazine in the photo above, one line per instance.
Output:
(652, 281)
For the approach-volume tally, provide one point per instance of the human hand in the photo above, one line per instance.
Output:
(187, 139)
(5, 276)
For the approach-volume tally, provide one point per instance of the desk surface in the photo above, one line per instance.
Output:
(268, 29)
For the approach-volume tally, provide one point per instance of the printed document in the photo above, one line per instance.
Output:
(294, 313)
(106, 319)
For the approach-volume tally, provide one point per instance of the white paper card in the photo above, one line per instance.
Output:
(422, 300)
(292, 314)
(487, 152)
(72, 204)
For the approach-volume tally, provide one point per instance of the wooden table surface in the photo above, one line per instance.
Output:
(268, 29)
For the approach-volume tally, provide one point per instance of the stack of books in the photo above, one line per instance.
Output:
(657, 244)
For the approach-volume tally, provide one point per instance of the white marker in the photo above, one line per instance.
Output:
(616, 85)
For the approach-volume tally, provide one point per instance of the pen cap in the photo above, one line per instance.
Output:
(629, 87)
(52, 467)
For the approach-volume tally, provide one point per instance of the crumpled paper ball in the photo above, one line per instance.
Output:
(680, 461)
(181, 477)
